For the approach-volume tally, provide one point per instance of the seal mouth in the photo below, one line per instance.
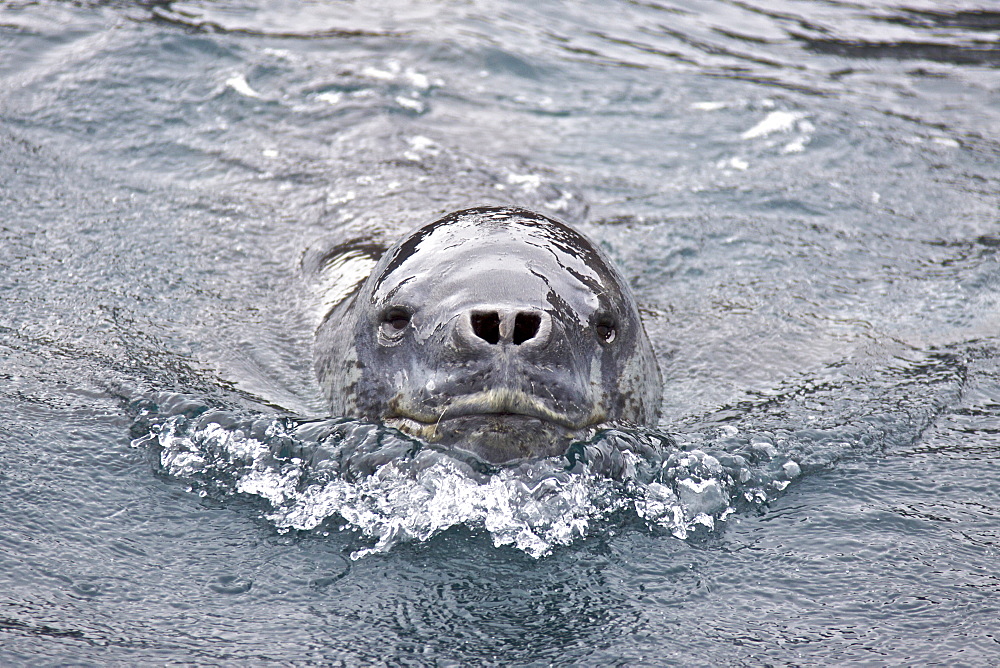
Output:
(490, 403)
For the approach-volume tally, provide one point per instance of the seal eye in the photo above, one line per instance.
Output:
(394, 322)
(606, 330)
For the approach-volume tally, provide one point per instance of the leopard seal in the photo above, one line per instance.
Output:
(493, 330)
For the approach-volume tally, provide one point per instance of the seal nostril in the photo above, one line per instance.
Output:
(487, 326)
(525, 327)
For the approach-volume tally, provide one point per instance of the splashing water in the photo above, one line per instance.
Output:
(390, 488)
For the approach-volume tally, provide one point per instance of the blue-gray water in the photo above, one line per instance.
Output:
(804, 194)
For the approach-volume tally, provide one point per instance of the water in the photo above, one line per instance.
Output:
(803, 194)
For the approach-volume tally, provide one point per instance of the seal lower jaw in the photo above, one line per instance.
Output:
(498, 425)
(422, 430)
(499, 401)
(496, 438)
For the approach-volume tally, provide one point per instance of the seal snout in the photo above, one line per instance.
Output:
(489, 326)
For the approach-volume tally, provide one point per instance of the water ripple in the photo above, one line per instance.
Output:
(389, 488)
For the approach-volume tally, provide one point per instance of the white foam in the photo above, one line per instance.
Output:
(734, 163)
(421, 146)
(331, 97)
(380, 75)
(410, 103)
(797, 146)
(775, 121)
(534, 507)
(239, 84)
(708, 106)
(528, 182)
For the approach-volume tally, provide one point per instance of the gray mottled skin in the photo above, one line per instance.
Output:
(494, 330)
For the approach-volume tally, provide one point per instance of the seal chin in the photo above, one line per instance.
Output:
(498, 425)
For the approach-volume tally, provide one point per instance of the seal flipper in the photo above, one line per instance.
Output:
(336, 272)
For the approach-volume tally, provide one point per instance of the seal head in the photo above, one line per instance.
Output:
(498, 331)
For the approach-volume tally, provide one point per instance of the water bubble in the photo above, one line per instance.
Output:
(389, 488)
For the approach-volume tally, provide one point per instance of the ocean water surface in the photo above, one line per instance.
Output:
(802, 193)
